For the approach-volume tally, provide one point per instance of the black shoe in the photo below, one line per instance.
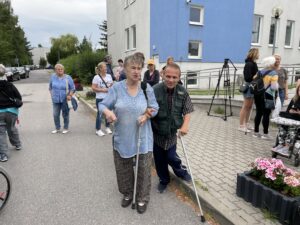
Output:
(187, 177)
(141, 207)
(126, 202)
(161, 187)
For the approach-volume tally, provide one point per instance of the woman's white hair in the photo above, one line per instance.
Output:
(268, 61)
(2, 70)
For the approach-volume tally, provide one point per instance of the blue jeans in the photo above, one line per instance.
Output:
(163, 158)
(99, 116)
(61, 107)
(281, 93)
(8, 125)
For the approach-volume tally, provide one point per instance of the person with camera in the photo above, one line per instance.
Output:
(250, 69)
(10, 101)
(61, 87)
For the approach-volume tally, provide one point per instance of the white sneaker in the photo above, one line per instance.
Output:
(266, 137)
(55, 131)
(244, 129)
(65, 131)
(256, 135)
(108, 130)
(100, 133)
(250, 127)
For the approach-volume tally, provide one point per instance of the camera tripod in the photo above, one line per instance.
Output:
(226, 91)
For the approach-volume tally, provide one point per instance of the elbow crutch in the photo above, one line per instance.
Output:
(136, 167)
(196, 193)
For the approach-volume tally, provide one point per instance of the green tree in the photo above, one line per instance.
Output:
(13, 43)
(62, 47)
(103, 38)
(43, 62)
(85, 45)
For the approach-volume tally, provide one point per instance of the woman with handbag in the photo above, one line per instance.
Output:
(126, 104)
(265, 101)
(10, 101)
(102, 81)
(61, 87)
(250, 69)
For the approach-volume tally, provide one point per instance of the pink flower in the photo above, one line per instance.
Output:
(292, 181)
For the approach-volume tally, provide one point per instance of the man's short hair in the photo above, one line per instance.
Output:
(106, 58)
(120, 60)
(174, 66)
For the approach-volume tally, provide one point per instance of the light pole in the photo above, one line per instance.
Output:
(276, 12)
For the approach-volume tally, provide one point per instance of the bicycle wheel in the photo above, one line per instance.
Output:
(5, 186)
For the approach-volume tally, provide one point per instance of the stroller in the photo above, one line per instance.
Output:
(288, 133)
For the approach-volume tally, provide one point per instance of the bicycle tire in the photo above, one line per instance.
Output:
(4, 194)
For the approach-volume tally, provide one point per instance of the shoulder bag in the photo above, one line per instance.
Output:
(17, 102)
(74, 100)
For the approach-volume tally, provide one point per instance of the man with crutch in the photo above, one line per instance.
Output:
(174, 114)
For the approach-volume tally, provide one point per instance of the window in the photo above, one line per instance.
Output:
(272, 31)
(289, 33)
(256, 29)
(127, 39)
(133, 28)
(196, 15)
(195, 50)
(191, 78)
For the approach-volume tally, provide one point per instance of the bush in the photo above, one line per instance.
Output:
(83, 65)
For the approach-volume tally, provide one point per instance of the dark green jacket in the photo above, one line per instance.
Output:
(166, 122)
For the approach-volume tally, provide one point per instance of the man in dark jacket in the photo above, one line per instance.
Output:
(109, 70)
(174, 114)
(8, 115)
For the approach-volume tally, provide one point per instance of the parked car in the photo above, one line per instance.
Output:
(12, 74)
(22, 72)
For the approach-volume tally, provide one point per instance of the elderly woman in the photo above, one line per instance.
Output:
(126, 105)
(270, 79)
(61, 87)
(250, 70)
(100, 84)
(8, 115)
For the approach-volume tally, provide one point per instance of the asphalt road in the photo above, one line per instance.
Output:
(70, 179)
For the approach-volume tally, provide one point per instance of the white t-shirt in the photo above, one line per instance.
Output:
(100, 84)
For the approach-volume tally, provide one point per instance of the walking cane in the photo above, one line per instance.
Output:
(196, 193)
(136, 167)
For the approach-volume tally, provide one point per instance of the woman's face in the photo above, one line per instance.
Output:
(102, 69)
(59, 71)
(133, 72)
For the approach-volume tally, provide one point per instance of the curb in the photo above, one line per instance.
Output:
(208, 203)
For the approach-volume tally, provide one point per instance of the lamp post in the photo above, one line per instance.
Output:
(276, 12)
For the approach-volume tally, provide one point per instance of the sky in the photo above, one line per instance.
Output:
(43, 19)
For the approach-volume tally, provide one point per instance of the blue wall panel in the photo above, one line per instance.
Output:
(226, 32)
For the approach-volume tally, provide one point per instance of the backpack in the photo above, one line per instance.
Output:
(257, 86)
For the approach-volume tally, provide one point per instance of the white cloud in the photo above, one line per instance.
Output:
(42, 19)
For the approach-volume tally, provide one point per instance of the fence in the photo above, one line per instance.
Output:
(207, 79)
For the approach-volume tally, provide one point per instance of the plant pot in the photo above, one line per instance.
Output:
(287, 209)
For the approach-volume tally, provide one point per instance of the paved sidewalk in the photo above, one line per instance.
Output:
(217, 152)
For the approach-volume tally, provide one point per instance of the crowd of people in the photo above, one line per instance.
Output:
(275, 89)
(148, 114)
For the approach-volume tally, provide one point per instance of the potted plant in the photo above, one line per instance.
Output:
(271, 185)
